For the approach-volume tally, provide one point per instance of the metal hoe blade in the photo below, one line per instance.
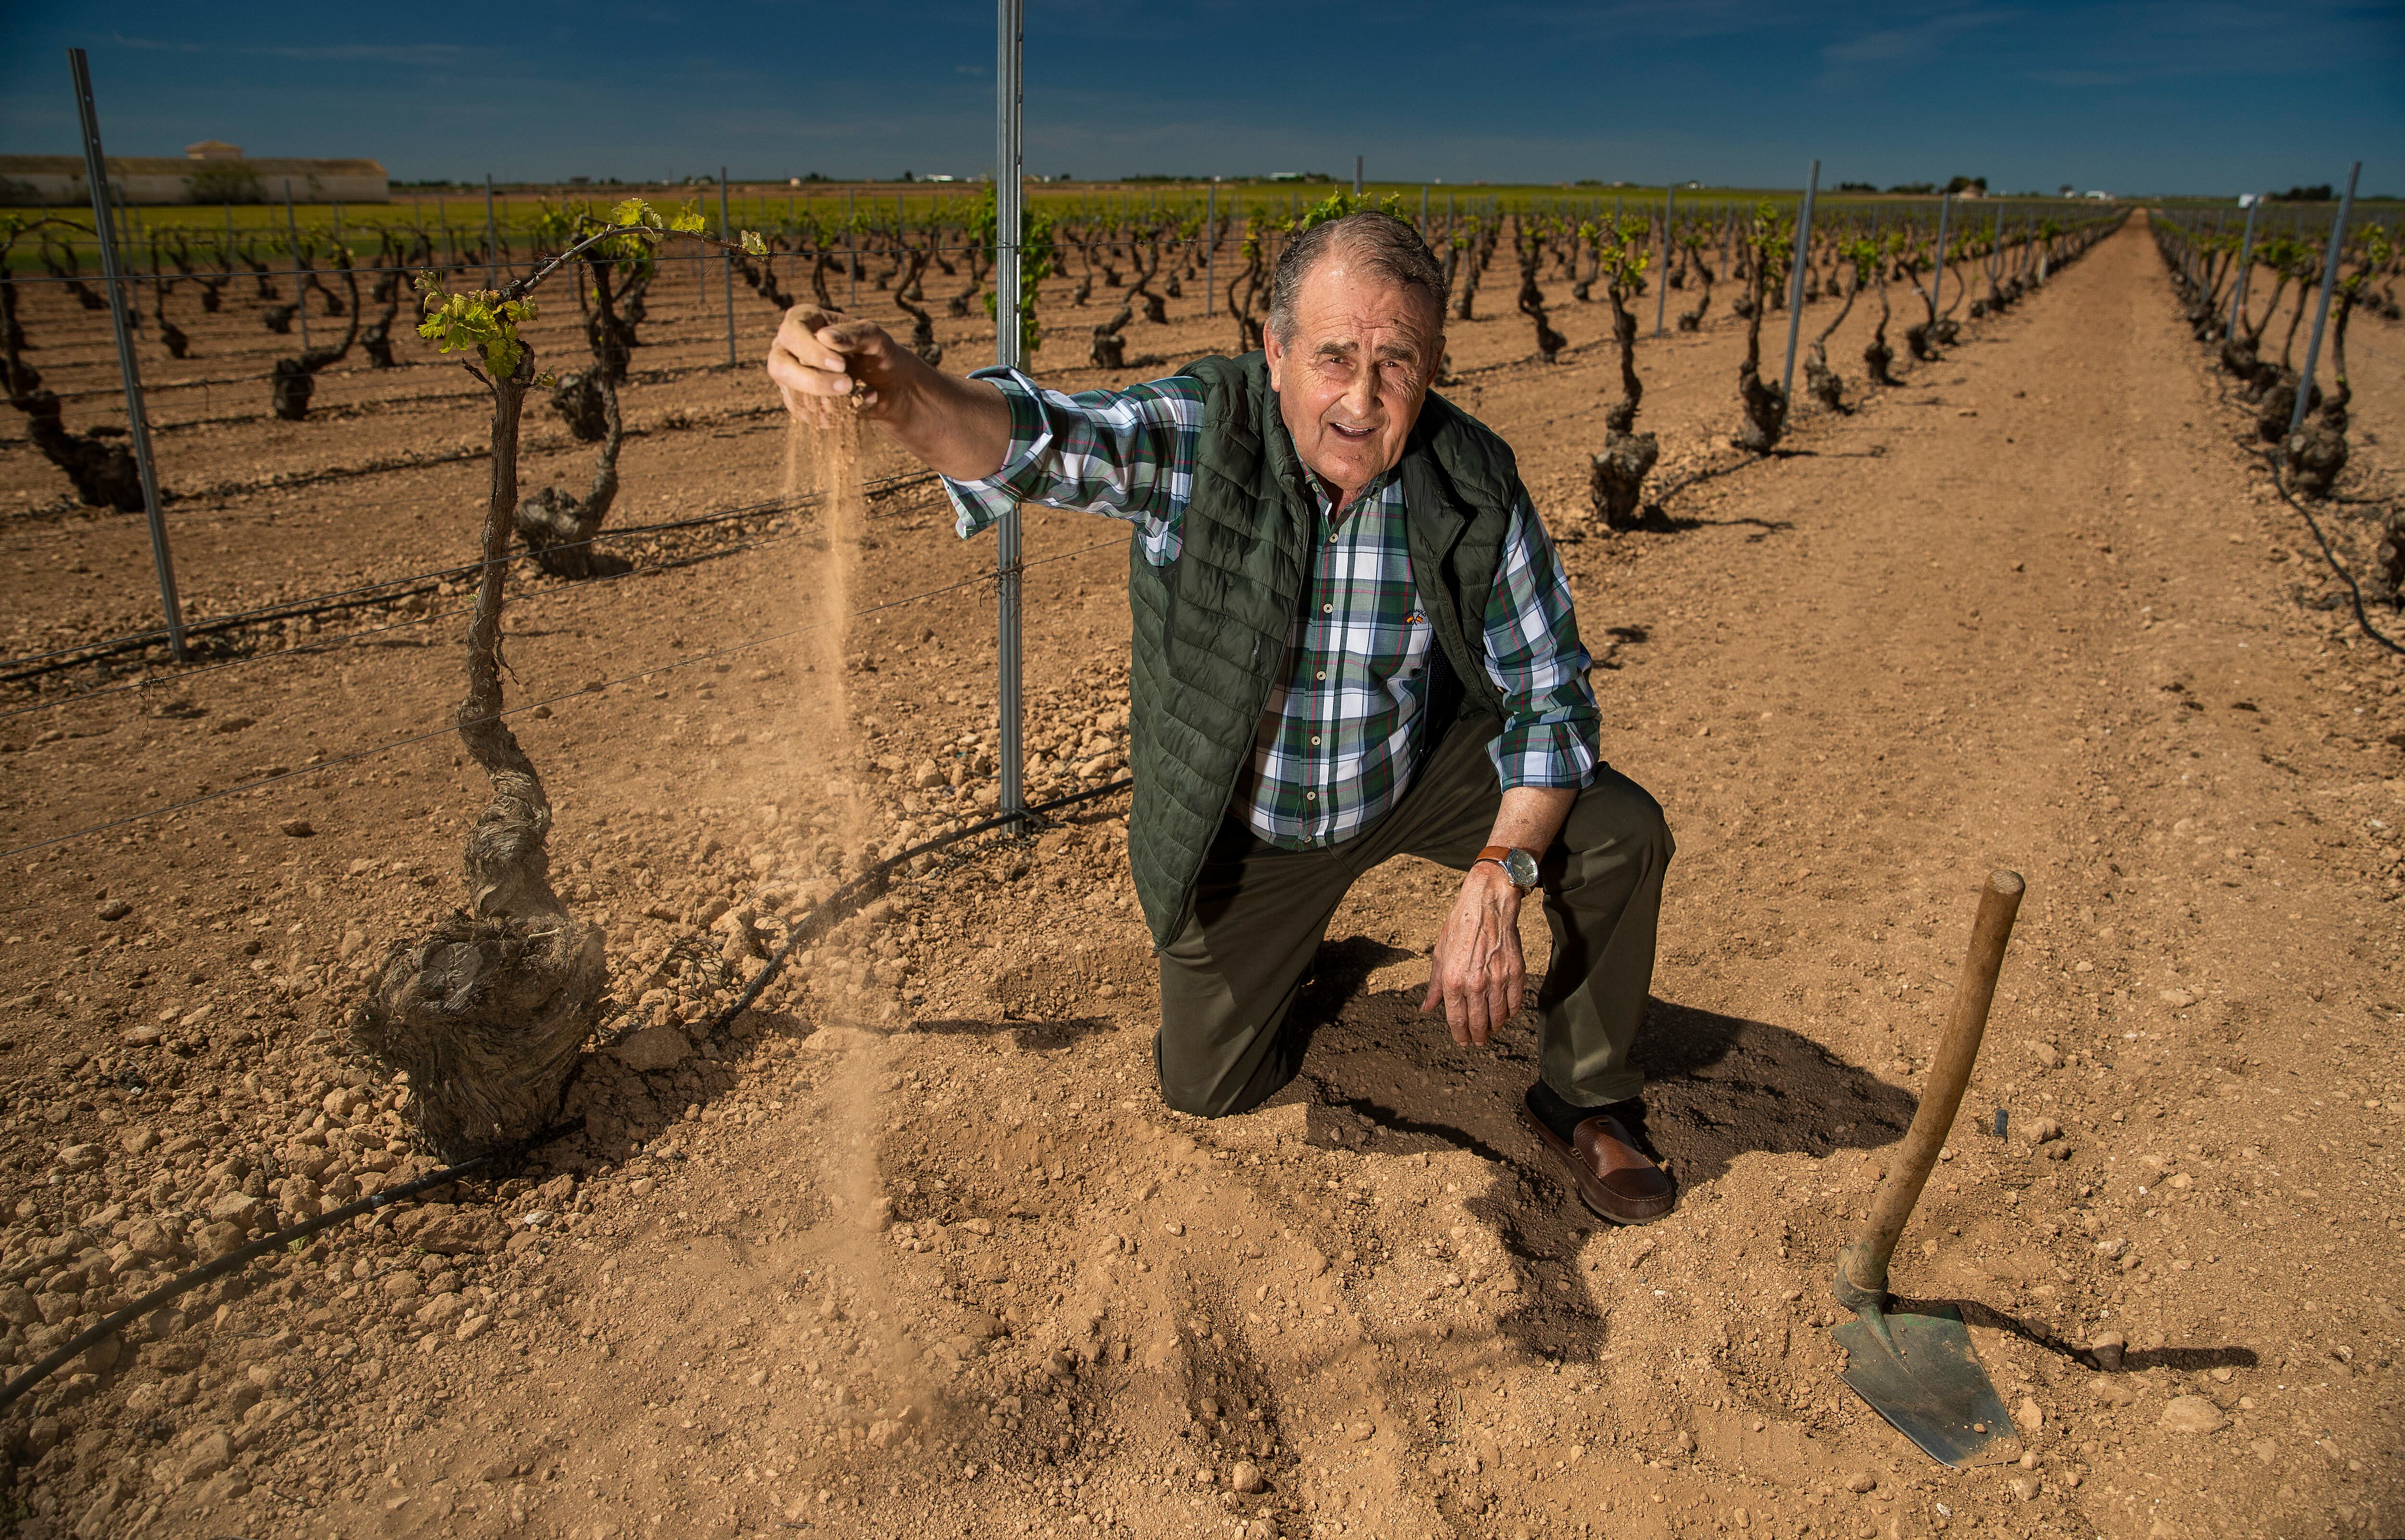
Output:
(1920, 1373)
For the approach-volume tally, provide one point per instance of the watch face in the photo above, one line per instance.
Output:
(1521, 867)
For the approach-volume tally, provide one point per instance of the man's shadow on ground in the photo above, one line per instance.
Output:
(1717, 1086)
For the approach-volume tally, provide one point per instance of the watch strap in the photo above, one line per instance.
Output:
(1501, 855)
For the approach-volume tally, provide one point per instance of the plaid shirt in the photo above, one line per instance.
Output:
(1341, 735)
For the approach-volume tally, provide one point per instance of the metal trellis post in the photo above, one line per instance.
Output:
(1210, 249)
(128, 366)
(1008, 189)
(728, 259)
(1357, 177)
(2321, 311)
(300, 291)
(492, 238)
(1796, 283)
(851, 253)
(1662, 276)
(1937, 284)
(2245, 268)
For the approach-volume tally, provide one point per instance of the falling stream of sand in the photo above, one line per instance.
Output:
(823, 464)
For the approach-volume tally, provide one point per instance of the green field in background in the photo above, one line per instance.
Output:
(772, 209)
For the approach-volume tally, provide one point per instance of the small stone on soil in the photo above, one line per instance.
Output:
(2193, 1414)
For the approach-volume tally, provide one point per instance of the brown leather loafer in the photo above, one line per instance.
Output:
(1612, 1176)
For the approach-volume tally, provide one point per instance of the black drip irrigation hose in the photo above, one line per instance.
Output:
(344, 638)
(433, 732)
(386, 590)
(2353, 590)
(2273, 463)
(838, 905)
(183, 1283)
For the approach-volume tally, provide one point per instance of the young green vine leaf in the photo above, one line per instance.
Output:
(480, 319)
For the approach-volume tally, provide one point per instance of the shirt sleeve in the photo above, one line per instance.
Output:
(1535, 658)
(1125, 454)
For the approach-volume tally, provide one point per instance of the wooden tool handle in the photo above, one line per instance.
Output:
(1862, 1267)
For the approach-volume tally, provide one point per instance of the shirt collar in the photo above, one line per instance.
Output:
(1369, 494)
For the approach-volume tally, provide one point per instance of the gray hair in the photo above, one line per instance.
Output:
(1383, 247)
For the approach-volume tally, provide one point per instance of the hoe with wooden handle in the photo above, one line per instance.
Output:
(1920, 1370)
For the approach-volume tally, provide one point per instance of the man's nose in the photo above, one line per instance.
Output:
(1361, 394)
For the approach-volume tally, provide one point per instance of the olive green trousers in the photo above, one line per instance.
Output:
(1230, 979)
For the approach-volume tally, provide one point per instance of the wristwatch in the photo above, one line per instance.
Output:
(1518, 865)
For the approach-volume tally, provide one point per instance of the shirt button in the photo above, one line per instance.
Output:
(1310, 796)
(1315, 742)
(1321, 675)
(1327, 610)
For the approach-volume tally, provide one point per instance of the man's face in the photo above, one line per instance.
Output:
(1351, 384)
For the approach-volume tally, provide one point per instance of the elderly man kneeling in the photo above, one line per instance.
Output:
(1353, 640)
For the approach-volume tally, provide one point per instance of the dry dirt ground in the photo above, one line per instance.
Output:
(913, 1249)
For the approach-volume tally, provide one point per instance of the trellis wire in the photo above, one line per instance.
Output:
(452, 727)
(348, 638)
(874, 486)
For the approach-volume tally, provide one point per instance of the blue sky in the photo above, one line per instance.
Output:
(2199, 95)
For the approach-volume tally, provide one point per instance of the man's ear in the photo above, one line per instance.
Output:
(1276, 356)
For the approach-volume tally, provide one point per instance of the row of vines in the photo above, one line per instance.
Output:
(1126, 262)
(2232, 288)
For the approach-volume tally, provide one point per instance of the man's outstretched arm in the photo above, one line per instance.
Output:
(958, 428)
(1127, 453)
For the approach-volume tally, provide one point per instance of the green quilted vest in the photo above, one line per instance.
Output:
(1211, 627)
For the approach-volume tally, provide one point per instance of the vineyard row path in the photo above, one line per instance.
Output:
(2033, 610)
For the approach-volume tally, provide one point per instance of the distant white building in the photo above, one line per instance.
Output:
(210, 171)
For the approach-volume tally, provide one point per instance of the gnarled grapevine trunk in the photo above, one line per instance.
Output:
(558, 529)
(911, 298)
(98, 464)
(1763, 404)
(295, 380)
(1876, 355)
(1109, 350)
(1532, 304)
(375, 338)
(1250, 279)
(172, 336)
(1146, 262)
(1693, 320)
(2317, 452)
(609, 337)
(485, 1011)
(2388, 561)
(1818, 379)
(1616, 477)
